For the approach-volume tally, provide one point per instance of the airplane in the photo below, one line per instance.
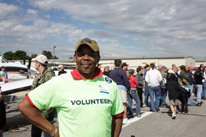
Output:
(14, 70)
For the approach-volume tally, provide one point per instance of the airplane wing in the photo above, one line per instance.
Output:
(15, 86)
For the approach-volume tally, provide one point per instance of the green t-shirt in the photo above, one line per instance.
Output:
(84, 106)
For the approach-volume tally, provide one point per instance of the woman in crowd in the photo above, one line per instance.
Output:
(140, 81)
(133, 94)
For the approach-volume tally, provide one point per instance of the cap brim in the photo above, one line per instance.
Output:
(34, 59)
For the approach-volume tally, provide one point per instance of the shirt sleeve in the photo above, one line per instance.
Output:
(45, 95)
(135, 81)
(126, 81)
(160, 77)
(147, 77)
(117, 105)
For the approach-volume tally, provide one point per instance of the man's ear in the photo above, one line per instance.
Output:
(75, 58)
(98, 58)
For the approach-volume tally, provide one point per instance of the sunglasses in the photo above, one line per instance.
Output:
(86, 40)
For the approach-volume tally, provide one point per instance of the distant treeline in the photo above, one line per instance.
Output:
(21, 54)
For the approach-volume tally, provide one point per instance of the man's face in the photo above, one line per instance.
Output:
(125, 68)
(60, 69)
(37, 64)
(175, 69)
(147, 68)
(86, 60)
(164, 70)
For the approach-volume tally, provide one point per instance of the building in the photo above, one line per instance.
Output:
(166, 61)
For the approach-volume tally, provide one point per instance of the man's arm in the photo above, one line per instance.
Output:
(34, 116)
(116, 126)
(126, 80)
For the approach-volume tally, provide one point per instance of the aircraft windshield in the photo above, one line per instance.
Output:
(4, 60)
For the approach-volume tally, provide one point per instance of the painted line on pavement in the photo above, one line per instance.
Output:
(135, 119)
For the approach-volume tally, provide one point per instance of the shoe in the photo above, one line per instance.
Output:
(139, 115)
(173, 116)
(152, 110)
(144, 105)
(199, 104)
(203, 98)
(164, 106)
(130, 116)
(157, 110)
(126, 121)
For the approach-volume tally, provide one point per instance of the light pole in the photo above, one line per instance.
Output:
(54, 52)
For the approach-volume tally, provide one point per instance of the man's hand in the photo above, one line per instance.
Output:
(34, 116)
(57, 132)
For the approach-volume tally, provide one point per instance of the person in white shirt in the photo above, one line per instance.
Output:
(153, 78)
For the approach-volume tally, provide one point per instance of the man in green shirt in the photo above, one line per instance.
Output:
(85, 99)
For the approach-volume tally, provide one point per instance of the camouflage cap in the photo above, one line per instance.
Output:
(86, 41)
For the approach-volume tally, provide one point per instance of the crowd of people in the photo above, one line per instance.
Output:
(86, 98)
(179, 84)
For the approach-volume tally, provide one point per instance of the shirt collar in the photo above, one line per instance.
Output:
(75, 74)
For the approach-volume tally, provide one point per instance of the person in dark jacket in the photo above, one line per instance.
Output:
(120, 78)
(198, 81)
(184, 95)
(173, 90)
(140, 81)
(191, 85)
(61, 70)
(2, 115)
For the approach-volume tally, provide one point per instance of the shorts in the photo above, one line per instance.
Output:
(173, 102)
(123, 93)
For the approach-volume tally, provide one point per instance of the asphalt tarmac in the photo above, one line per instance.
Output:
(150, 124)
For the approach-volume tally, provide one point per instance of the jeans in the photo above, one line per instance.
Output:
(154, 91)
(199, 93)
(204, 90)
(134, 95)
(140, 92)
(146, 94)
(190, 101)
(163, 97)
(191, 92)
(36, 132)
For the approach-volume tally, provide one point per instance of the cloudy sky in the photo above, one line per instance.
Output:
(122, 28)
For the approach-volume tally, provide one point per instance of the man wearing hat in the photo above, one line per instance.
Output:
(125, 67)
(61, 70)
(85, 99)
(44, 75)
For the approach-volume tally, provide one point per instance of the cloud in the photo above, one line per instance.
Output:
(133, 28)
(7, 9)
